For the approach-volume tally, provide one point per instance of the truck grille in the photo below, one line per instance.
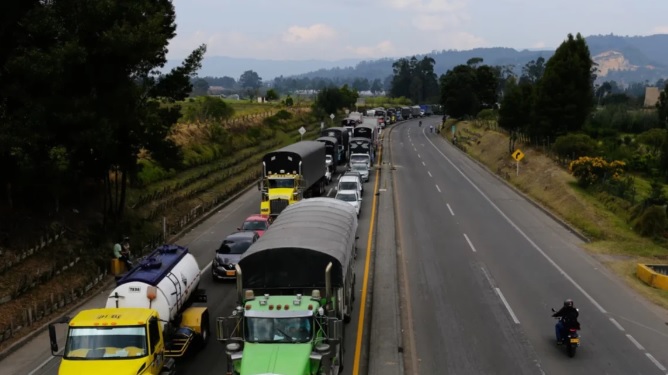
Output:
(277, 205)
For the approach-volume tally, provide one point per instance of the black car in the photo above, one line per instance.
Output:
(229, 253)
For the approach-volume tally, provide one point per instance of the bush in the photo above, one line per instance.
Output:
(573, 146)
(652, 221)
(595, 170)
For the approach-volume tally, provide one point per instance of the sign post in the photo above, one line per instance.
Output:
(518, 155)
(332, 118)
(302, 130)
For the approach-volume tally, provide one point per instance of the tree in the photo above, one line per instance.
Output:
(90, 99)
(487, 81)
(458, 91)
(200, 87)
(662, 106)
(206, 108)
(271, 95)
(533, 71)
(361, 84)
(376, 86)
(251, 82)
(516, 109)
(329, 100)
(564, 95)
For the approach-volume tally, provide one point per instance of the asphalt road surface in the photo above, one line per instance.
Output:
(35, 358)
(483, 267)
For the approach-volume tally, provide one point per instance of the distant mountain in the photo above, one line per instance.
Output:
(621, 58)
(219, 66)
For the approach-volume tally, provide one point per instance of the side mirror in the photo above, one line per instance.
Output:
(238, 228)
(53, 339)
(360, 199)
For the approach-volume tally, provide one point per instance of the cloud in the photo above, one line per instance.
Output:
(540, 44)
(310, 34)
(661, 29)
(295, 43)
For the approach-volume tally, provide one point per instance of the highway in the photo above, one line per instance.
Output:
(35, 358)
(481, 267)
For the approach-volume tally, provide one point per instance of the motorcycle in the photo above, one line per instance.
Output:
(570, 337)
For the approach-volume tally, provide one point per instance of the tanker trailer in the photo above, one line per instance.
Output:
(149, 320)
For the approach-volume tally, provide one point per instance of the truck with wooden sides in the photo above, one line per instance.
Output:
(295, 289)
(290, 174)
(149, 320)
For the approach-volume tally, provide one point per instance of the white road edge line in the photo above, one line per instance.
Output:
(429, 173)
(619, 326)
(449, 208)
(636, 343)
(438, 188)
(45, 362)
(469, 241)
(521, 232)
(510, 310)
(424, 164)
(657, 363)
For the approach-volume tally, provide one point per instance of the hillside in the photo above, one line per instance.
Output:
(622, 58)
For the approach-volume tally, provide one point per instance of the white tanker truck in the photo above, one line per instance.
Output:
(148, 320)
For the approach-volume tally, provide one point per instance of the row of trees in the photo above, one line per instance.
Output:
(415, 80)
(79, 97)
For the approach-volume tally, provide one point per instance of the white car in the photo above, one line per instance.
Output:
(351, 197)
(350, 183)
(362, 169)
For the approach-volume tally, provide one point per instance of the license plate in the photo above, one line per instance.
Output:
(575, 341)
(230, 273)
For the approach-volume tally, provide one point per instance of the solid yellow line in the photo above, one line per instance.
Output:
(365, 283)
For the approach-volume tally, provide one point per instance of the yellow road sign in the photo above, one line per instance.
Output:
(518, 155)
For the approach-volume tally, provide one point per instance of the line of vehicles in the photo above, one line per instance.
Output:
(293, 265)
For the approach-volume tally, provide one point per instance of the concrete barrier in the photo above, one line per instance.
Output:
(655, 275)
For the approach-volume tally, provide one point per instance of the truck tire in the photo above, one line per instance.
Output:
(204, 328)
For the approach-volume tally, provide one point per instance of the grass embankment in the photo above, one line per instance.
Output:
(41, 286)
(601, 218)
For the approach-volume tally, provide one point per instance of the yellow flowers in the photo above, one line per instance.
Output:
(592, 170)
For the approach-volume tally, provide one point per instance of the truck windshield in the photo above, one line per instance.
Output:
(359, 167)
(276, 183)
(106, 343)
(271, 330)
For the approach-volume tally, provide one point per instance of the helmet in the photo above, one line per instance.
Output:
(568, 302)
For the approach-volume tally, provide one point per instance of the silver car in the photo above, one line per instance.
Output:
(362, 169)
(352, 198)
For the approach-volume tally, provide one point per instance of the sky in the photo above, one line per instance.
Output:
(370, 29)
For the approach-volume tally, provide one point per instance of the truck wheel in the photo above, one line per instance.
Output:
(204, 328)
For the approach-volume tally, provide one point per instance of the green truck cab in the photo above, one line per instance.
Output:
(295, 290)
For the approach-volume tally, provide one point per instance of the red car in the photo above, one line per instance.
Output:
(257, 223)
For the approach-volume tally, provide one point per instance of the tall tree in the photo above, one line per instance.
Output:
(80, 81)
(516, 109)
(251, 82)
(458, 91)
(564, 96)
(533, 70)
(662, 106)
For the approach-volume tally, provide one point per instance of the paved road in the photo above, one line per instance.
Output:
(35, 358)
(484, 267)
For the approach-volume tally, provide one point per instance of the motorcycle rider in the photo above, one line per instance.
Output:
(568, 315)
(420, 124)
